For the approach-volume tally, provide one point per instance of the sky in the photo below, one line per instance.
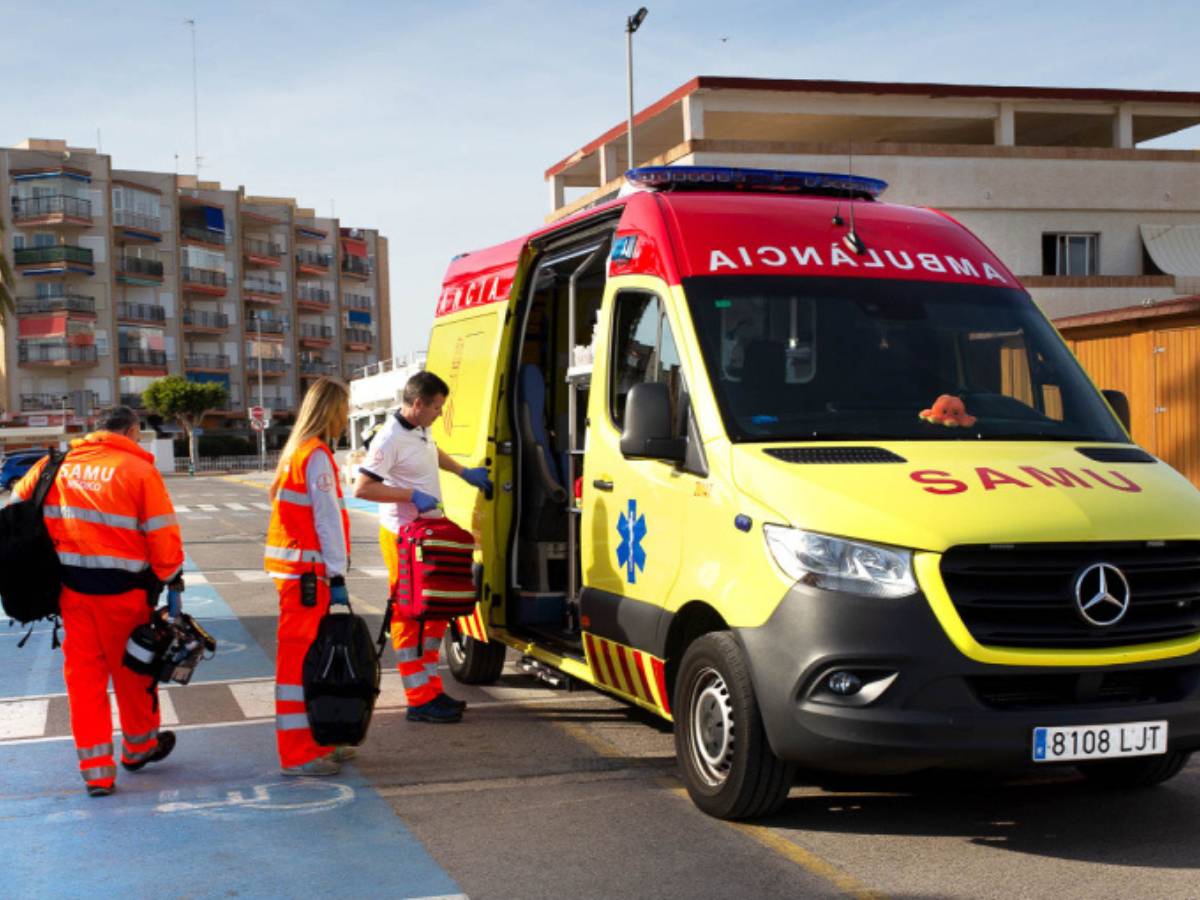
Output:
(435, 122)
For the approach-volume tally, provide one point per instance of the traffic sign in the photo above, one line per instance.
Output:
(257, 412)
(258, 424)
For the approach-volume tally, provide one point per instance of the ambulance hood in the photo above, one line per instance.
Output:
(935, 494)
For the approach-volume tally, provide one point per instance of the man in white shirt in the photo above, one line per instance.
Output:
(401, 474)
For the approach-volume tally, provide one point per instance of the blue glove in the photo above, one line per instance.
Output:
(477, 477)
(424, 502)
(338, 592)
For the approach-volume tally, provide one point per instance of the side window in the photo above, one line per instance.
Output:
(644, 351)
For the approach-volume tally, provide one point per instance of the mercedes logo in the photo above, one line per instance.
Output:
(1101, 595)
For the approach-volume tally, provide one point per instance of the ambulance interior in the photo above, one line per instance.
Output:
(549, 414)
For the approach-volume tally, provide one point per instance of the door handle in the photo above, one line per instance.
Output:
(602, 485)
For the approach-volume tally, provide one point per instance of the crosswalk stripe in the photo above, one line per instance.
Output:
(207, 507)
(23, 718)
(251, 575)
(238, 507)
(263, 506)
(180, 509)
(165, 707)
(373, 571)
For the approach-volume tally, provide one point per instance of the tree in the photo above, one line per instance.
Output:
(174, 397)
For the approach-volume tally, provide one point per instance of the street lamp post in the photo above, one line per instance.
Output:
(262, 432)
(632, 24)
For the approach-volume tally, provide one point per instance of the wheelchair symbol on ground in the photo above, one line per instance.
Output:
(304, 796)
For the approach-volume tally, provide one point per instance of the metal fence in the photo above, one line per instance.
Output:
(228, 463)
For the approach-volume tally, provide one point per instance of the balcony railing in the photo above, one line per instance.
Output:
(313, 258)
(55, 352)
(314, 295)
(58, 302)
(203, 276)
(262, 286)
(59, 204)
(265, 324)
(270, 365)
(139, 267)
(200, 319)
(130, 219)
(54, 402)
(206, 361)
(267, 249)
(356, 265)
(356, 301)
(141, 312)
(357, 336)
(58, 253)
(316, 332)
(202, 234)
(317, 367)
(136, 356)
(133, 401)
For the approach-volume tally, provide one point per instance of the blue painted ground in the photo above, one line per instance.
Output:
(214, 820)
(364, 505)
(36, 669)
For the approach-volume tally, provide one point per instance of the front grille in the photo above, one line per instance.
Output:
(1022, 595)
(1068, 689)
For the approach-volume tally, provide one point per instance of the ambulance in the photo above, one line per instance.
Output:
(810, 476)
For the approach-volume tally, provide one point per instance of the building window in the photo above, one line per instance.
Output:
(1070, 254)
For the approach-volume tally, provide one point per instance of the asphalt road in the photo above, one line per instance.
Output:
(536, 793)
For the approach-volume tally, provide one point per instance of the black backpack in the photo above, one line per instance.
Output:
(341, 680)
(30, 575)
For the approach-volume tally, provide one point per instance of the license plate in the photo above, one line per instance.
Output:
(1099, 741)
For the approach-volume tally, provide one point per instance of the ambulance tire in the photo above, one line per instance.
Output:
(728, 767)
(471, 661)
(1142, 772)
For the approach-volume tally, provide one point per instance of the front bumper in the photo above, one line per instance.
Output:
(941, 709)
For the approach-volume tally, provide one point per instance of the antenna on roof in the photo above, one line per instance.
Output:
(837, 220)
(852, 240)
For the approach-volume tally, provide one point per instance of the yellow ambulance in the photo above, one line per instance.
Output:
(810, 475)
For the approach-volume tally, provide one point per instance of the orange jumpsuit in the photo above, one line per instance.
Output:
(114, 528)
(418, 663)
(301, 539)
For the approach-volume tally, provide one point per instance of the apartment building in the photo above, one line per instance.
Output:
(123, 277)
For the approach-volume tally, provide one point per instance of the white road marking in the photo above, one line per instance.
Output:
(238, 507)
(373, 571)
(207, 507)
(23, 718)
(195, 578)
(165, 707)
(255, 698)
(252, 575)
(263, 506)
(183, 509)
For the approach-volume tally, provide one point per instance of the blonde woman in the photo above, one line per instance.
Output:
(307, 552)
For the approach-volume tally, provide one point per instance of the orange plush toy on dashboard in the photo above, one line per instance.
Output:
(948, 410)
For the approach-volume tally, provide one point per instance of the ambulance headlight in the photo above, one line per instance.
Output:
(836, 564)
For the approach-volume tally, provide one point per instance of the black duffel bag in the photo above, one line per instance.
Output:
(30, 576)
(341, 680)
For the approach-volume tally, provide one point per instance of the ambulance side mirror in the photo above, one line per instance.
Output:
(1120, 405)
(647, 433)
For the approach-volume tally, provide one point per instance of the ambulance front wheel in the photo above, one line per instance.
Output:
(728, 767)
(472, 661)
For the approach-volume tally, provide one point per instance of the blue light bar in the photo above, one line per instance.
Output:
(725, 178)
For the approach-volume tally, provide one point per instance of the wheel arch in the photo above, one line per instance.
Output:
(694, 619)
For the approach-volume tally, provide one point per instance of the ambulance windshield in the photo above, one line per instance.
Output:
(863, 359)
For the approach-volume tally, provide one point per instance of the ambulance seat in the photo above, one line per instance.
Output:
(543, 497)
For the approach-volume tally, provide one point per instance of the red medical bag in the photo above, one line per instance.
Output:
(433, 580)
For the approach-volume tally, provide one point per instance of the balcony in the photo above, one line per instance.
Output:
(136, 356)
(61, 259)
(55, 353)
(262, 253)
(56, 210)
(133, 401)
(265, 325)
(55, 402)
(203, 281)
(356, 267)
(202, 235)
(358, 338)
(315, 335)
(261, 290)
(209, 362)
(141, 313)
(72, 304)
(311, 298)
(357, 301)
(137, 270)
(136, 226)
(199, 321)
(271, 367)
(315, 368)
(312, 262)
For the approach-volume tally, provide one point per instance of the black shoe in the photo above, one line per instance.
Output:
(433, 712)
(100, 790)
(166, 743)
(450, 702)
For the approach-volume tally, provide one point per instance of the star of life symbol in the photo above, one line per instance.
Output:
(1102, 594)
(632, 528)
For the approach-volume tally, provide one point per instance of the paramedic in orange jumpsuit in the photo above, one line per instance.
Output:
(114, 528)
(309, 532)
(401, 474)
